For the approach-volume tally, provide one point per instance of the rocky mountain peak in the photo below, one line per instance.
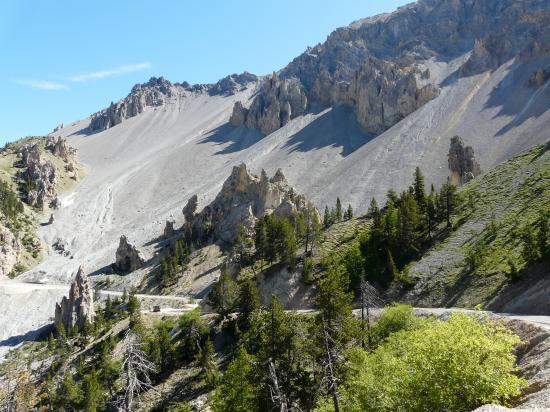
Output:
(78, 308)
(243, 199)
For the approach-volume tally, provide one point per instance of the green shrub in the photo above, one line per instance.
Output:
(453, 365)
(393, 319)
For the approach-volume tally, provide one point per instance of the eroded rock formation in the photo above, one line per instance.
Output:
(169, 230)
(59, 147)
(10, 250)
(244, 198)
(41, 177)
(128, 258)
(383, 94)
(278, 102)
(462, 162)
(78, 308)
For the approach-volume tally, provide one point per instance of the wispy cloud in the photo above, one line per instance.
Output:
(42, 84)
(116, 71)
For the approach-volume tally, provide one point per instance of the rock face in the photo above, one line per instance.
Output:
(41, 177)
(169, 230)
(383, 94)
(58, 146)
(10, 250)
(232, 83)
(462, 162)
(538, 78)
(128, 258)
(75, 311)
(384, 55)
(277, 103)
(151, 94)
(242, 200)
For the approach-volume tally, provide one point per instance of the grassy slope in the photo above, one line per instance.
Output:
(32, 254)
(512, 194)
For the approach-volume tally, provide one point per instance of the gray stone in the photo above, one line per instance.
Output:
(462, 162)
(78, 308)
(128, 258)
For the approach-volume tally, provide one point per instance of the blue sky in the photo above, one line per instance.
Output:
(64, 59)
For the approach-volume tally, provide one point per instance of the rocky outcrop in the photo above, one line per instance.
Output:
(275, 105)
(190, 209)
(462, 162)
(169, 229)
(538, 78)
(383, 94)
(128, 258)
(151, 94)
(233, 83)
(244, 198)
(157, 92)
(59, 147)
(10, 250)
(238, 116)
(78, 309)
(488, 53)
(40, 177)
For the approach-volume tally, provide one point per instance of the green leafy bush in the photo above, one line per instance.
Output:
(452, 365)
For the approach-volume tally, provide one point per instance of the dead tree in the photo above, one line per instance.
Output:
(136, 371)
(330, 374)
(369, 299)
(279, 400)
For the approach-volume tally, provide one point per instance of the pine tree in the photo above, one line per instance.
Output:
(248, 301)
(350, 212)
(326, 218)
(419, 189)
(93, 392)
(207, 362)
(223, 295)
(68, 395)
(543, 238)
(260, 239)
(134, 310)
(338, 210)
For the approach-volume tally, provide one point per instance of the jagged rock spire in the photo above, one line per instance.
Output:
(462, 162)
(128, 258)
(78, 308)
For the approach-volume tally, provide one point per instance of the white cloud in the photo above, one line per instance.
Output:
(111, 72)
(42, 84)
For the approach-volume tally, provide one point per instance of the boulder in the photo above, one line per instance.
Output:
(462, 162)
(243, 199)
(78, 308)
(128, 258)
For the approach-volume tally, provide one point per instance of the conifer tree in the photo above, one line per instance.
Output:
(326, 218)
(350, 212)
(419, 189)
(248, 302)
(93, 392)
(338, 210)
(207, 362)
(223, 295)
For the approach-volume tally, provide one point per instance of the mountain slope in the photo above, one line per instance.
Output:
(142, 170)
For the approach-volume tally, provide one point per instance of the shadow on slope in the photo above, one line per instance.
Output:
(516, 98)
(29, 336)
(237, 138)
(336, 127)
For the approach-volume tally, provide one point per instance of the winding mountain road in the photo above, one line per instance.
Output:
(15, 329)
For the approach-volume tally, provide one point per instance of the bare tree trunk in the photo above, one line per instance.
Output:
(136, 371)
(332, 384)
(276, 394)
